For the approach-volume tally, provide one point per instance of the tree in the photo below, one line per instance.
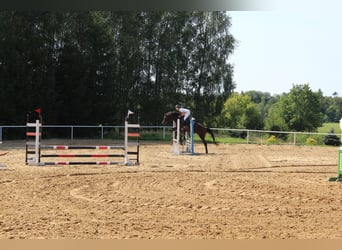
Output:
(27, 61)
(209, 78)
(275, 120)
(332, 108)
(240, 112)
(84, 83)
(91, 66)
(185, 60)
(263, 100)
(300, 110)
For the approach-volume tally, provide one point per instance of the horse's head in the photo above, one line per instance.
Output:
(170, 116)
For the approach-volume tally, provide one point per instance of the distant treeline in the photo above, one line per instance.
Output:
(301, 109)
(90, 67)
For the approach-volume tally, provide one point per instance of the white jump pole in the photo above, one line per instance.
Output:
(176, 137)
(38, 134)
(127, 161)
(35, 160)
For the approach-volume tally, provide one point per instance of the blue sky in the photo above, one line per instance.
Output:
(296, 42)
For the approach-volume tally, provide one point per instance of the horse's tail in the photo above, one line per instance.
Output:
(212, 135)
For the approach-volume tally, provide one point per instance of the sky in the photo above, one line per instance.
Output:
(296, 42)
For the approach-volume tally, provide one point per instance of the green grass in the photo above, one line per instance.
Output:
(327, 127)
(224, 138)
(229, 140)
(197, 139)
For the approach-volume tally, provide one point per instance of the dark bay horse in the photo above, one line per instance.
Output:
(198, 128)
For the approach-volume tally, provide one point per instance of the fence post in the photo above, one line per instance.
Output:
(163, 132)
(340, 129)
(339, 169)
(294, 138)
(0, 134)
(247, 136)
(101, 132)
(72, 132)
(192, 124)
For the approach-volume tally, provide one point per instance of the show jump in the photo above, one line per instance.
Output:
(34, 148)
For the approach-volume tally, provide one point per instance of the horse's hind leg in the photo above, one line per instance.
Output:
(205, 145)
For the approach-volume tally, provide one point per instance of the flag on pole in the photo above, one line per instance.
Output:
(128, 114)
(38, 110)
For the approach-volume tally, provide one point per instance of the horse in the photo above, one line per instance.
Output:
(198, 128)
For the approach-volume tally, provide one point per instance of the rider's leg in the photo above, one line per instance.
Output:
(187, 122)
(182, 123)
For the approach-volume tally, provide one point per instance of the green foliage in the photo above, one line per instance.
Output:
(328, 127)
(92, 66)
(275, 120)
(298, 111)
(332, 108)
(302, 109)
(240, 112)
(263, 100)
(272, 140)
(311, 142)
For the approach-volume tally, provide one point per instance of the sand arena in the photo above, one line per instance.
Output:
(235, 192)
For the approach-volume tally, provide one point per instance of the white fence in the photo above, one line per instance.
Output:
(73, 131)
(224, 135)
(270, 137)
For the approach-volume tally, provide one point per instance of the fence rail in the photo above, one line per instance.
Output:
(225, 135)
(8, 132)
(249, 136)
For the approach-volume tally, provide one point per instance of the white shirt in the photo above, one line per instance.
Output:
(185, 112)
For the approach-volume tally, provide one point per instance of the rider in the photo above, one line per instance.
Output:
(185, 114)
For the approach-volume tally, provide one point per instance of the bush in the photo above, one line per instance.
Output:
(271, 140)
(311, 142)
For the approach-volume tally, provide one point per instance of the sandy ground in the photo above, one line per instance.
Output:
(234, 192)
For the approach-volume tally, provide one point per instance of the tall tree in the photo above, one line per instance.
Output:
(300, 110)
(83, 74)
(275, 120)
(210, 76)
(91, 66)
(332, 108)
(240, 112)
(27, 62)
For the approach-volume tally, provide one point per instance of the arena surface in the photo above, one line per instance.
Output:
(234, 192)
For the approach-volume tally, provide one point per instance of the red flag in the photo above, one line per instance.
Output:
(38, 110)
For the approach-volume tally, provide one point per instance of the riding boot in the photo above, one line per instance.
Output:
(187, 122)
(182, 125)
